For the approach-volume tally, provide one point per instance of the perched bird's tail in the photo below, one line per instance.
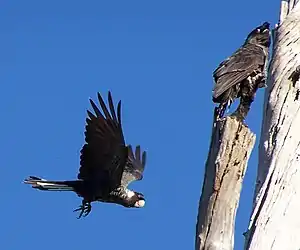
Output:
(43, 184)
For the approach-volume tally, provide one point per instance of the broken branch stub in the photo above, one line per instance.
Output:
(231, 145)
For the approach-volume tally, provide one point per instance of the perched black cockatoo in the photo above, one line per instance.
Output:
(243, 73)
(107, 164)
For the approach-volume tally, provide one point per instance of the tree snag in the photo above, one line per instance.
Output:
(230, 148)
(275, 221)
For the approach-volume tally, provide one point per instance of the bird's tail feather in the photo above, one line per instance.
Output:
(43, 184)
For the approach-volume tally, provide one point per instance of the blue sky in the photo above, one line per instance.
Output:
(158, 58)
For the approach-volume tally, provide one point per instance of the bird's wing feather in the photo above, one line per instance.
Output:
(134, 167)
(237, 68)
(104, 154)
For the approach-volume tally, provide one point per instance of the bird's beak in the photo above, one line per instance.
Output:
(140, 203)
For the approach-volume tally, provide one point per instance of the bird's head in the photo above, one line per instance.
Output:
(260, 35)
(134, 199)
(140, 200)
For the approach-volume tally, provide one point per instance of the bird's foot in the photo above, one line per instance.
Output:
(219, 113)
(84, 209)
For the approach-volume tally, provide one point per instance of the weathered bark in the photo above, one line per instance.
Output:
(275, 221)
(231, 145)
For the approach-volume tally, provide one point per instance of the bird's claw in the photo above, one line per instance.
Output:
(84, 209)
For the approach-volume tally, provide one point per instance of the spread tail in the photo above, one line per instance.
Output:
(43, 184)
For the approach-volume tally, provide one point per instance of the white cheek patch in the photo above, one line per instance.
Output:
(130, 193)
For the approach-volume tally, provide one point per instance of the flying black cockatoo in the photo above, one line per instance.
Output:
(243, 73)
(107, 164)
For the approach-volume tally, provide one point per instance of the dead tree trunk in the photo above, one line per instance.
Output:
(231, 146)
(275, 221)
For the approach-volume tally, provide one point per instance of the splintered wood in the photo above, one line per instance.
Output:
(230, 149)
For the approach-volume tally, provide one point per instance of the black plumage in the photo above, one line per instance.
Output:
(243, 73)
(107, 164)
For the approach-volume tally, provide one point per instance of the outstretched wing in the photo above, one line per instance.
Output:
(238, 67)
(104, 154)
(134, 167)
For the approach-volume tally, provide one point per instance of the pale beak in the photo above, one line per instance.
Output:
(140, 203)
